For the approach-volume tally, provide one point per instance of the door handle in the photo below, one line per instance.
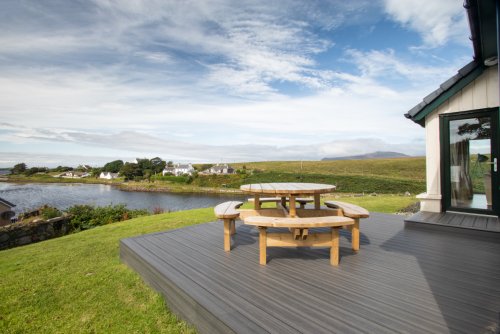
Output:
(494, 163)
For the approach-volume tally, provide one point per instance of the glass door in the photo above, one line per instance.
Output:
(470, 155)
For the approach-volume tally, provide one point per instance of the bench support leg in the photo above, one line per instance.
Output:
(227, 234)
(256, 202)
(355, 235)
(233, 226)
(317, 201)
(293, 210)
(262, 245)
(334, 250)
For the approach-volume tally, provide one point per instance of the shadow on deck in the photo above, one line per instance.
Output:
(402, 280)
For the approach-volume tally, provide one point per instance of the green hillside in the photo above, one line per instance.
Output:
(398, 168)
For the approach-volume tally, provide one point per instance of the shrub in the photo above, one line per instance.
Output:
(86, 216)
(158, 210)
(49, 212)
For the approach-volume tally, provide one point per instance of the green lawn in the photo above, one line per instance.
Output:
(77, 284)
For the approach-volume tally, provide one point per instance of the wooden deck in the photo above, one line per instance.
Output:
(403, 280)
(458, 221)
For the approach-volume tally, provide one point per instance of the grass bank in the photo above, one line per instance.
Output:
(76, 284)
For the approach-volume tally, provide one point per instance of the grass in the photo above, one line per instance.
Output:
(399, 168)
(77, 284)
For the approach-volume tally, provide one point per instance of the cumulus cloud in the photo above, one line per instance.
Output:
(436, 21)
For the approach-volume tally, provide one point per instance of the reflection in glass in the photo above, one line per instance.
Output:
(470, 171)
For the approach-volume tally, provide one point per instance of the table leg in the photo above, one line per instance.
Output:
(283, 201)
(256, 202)
(355, 235)
(334, 250)
(262, 245)
(227, 235)
(293, 209)
(317, 201)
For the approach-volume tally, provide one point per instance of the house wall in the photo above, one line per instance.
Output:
(4, 208)
(479, 94)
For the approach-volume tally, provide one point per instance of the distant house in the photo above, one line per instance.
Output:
(219, 169)
(74, 175)
(108, 175)
(462, 128)
(6, 213)
(179, 169)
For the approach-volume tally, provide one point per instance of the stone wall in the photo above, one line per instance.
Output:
(19, 234)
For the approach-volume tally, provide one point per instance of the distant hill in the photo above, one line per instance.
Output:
(374, 155)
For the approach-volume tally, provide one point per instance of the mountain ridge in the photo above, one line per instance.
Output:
(373, 155)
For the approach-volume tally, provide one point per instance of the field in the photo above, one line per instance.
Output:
(399, 168)
(386, 176)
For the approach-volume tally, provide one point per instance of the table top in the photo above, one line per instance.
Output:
(288, 188)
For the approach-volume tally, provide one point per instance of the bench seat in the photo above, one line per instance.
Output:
(228, 212)
(352, 211)
(299, 236)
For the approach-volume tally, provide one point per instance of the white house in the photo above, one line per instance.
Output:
(219, 169)
(179, 169)
(108, 175)
(461, 126)
(74, 175)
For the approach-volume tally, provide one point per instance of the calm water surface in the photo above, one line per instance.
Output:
(33, 195)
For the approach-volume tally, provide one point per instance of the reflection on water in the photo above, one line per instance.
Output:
(62, 196)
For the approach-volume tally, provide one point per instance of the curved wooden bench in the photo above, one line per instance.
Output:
(299, 236)
(228, 213)
(352, 211)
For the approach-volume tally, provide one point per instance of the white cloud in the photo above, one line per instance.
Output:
(436, 21)
(138, 76)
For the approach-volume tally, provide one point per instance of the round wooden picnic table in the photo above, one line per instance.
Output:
(290, 190)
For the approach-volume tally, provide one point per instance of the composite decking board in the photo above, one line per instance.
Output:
(466, 280)
(210, 279)
(274, 296)
(177, 300)
(342, 293)
(303, 295)
(201, 295)
(392, 284)
(457, 220)
(293, 288)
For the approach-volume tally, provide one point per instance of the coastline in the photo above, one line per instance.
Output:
(131, 186)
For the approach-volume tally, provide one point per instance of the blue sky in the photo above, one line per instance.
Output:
(211, 81)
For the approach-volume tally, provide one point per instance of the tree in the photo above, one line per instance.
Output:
(157, 165)
(130, 170)
(19, 168)
(113, 166)
(481, 129)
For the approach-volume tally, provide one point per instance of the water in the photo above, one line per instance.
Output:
(33, 195)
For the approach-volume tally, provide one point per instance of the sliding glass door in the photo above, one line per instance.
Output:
(469, 149)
